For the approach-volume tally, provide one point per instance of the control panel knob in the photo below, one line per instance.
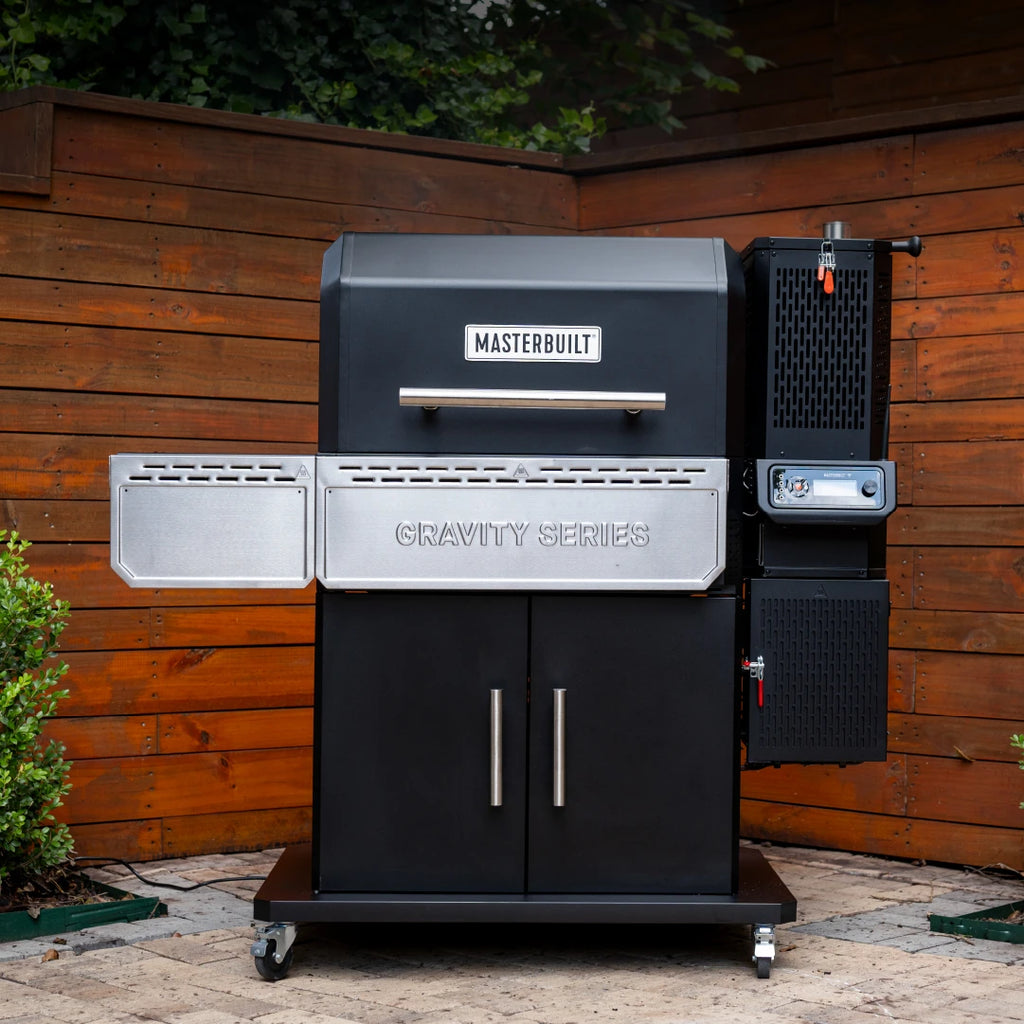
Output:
(869, 488)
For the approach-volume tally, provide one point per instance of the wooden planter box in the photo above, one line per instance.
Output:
(122, 906)
(983, 924)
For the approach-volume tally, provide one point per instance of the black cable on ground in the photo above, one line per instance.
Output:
(110, 861)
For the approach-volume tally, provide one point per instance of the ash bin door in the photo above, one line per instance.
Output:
(650, 744)
(403, 802)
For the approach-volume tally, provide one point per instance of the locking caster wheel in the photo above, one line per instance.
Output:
(272, 951)
(268, 968)
(764, 949)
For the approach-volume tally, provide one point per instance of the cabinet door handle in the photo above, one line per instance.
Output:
(559, 758)
(496, 755)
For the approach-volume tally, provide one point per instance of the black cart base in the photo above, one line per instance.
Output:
(286, 897)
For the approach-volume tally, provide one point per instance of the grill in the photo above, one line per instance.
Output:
(590, 516)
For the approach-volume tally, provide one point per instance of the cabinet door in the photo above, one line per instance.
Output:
(404, 743)
(649, 744)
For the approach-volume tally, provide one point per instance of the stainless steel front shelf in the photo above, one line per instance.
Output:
(507, 523)
(400, 522)
(212, 520)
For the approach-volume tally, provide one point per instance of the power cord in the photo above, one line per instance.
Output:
(106, 862)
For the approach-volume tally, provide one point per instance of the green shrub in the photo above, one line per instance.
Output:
(33, 772)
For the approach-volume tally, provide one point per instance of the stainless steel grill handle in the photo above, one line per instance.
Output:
(496, 752)
(504, 398)
(559, 757)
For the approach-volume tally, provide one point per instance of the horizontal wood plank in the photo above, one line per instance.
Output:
(81, 574)
(928, 216)
(109, 629)
(193, 835)
(996, 419)
(76, 468)
(984, 157)
(958, 315)
(126, 789)
(970, 579)
(973, 792)
(868, 41)
(236, 627)
(144, 149)
(107, 305)
(887, 836)
(117, 840)
(843, 173)
(987, 366)
(235, 730)
(966, 843)
(979, 685)
(971, 263)
(49, 412)
(138, 735)
(968, 473)
(158, 203)
(877, 787)
(69, 248)
(985, 632)
(54, 520)
(193, 680)
(825, 827)
(105, 736)
(967, 526)
(146, 362)
(965, 739)
(903, 82)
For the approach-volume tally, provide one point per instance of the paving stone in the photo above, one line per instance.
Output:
(185, 949)
(861, 951)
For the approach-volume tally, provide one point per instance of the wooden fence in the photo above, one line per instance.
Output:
(159, 272)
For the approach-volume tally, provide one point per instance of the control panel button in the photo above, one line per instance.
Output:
(869, 488)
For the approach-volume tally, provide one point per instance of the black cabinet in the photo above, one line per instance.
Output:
(629, 698)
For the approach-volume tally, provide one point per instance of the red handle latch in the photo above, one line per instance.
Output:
(756, 670)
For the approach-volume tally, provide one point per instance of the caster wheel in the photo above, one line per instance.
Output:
(764, 966)
(268, 968)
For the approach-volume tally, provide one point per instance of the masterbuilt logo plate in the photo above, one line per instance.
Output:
(534, 343)
(553, 524)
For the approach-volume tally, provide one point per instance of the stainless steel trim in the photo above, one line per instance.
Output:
(496, 748)
(485, 398)
(486, 522)
(558, 779)
(220, 520)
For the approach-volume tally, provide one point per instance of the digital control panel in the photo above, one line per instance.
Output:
(827, 487)
(826, 492)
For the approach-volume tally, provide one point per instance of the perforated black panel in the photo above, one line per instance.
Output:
(817, 362)
(824, 645)
(821, 350)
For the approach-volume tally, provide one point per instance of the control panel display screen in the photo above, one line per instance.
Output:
(835, 488)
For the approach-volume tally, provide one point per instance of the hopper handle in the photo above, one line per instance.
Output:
(505, 398)
(912, 246)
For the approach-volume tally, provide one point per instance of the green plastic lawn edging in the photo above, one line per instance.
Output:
(123, 906)
(983, 924)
